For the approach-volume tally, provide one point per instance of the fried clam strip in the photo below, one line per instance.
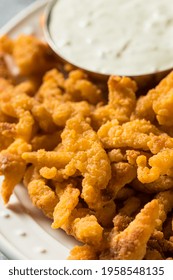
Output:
(89, 158)
(31, 55)
(68, 201)
(50, 159)
(124, 216)
(80, 88)
(57, 103)
(162, 184)
(85, 252)
(14, 100)
(121, 103)
(12, 166)
(84, 226)
(165, 200)
(16, 104)
(42, 196)
(157, 103)
(134, 134)
(131, 243)
(159, 164)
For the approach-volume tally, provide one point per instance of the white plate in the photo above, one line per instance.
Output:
(25, 233)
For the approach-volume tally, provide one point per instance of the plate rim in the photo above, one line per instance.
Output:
(33, 7)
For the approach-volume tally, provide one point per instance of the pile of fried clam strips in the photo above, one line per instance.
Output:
(95, 158)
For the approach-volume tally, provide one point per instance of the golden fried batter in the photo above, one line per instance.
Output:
(122, 100)
(130, 244)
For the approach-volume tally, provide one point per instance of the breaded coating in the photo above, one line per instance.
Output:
(79, 88)
(59, 105)
(42, 196)
(114, 135)
(88, 230)
(67, 203)
(31, 55)
(85, 252)
(165, 200)
(43, 158)
(121, 103)
(89, 158)
(157, 103)
(6, 44)
(13, 168)
(131, 243)
(159, 164)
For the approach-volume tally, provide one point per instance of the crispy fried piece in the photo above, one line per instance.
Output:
(14, 101)
(57, 104)
(50, 159)
(31, 55)
(116, 155)
(162, 184)
(134, 134)
(121, 102)
(23, 129)
(44, 118)
(52, 86)
(144, 109)
(80, 88)
(6, 44)
(13, 168)
(78, 213)
(49, 173)
(165, 200)
(64, 111)
(130, 244)
(160, 164)
(123, 218)
(42, 196)
(88, 157)
(65, 206)
(122, 173)
(85, 252)
(157, 103)
(88, 230)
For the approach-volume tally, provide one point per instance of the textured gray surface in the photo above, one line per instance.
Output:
(8, 9)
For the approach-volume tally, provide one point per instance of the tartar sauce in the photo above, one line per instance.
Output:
(124, 37)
